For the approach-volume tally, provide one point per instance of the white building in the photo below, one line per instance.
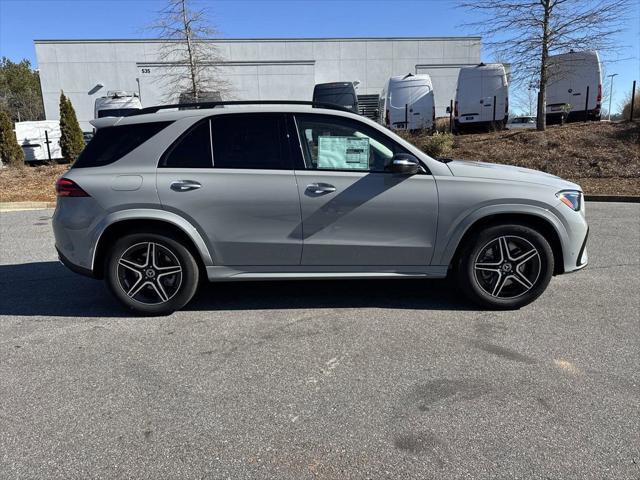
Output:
(256, 69)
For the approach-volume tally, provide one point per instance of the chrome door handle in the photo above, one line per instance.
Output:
(184, 185)
(320, 188)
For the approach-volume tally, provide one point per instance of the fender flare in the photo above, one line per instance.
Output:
(462, 225)
(152, 214)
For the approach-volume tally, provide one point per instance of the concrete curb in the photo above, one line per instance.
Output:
(23, 206)
(612, 198)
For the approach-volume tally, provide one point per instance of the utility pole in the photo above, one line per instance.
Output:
(611, 93)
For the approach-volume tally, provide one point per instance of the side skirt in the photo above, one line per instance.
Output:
(299, 272)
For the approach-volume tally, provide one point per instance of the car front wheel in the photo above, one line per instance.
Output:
(151, 274)
(505, 266)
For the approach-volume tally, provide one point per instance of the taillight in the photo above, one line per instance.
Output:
(69, 188)
(599, 97)
(386, 117)
(455, 109)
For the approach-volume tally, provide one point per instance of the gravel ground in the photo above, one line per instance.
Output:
(332, 380)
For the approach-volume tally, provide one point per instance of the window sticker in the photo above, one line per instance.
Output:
(343, 153)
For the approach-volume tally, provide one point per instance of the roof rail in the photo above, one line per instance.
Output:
(237, 102)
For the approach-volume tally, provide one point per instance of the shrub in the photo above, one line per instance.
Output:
(626, 110)
(71, 139)
(10, 152)
(436, 145)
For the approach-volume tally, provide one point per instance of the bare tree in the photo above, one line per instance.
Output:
(191, 60)
(527, 32)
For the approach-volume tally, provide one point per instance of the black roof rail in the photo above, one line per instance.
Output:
(157, 108)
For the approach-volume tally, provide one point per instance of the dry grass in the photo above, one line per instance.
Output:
(597, 150)
(33, 184)
(604, 158)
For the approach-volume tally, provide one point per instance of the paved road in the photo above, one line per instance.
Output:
(335, 380)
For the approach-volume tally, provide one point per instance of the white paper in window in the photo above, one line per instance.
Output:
(343, 153)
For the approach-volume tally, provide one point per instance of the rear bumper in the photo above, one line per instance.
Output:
(87, 272)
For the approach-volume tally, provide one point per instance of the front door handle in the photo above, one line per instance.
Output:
(184, 185)
(320, 188)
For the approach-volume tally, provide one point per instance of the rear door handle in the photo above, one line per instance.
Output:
(320, 188)
(184, 185)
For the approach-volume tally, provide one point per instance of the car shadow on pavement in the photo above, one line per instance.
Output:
(49, 289)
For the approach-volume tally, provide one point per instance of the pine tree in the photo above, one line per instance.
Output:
(10, 152)
(71, 139)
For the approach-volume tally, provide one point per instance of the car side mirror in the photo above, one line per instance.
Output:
(448, 109)
(405, 164)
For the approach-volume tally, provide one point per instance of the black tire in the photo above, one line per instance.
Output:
(512, 283)
(155, 288)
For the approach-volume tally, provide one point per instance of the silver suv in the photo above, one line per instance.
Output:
(161, 199)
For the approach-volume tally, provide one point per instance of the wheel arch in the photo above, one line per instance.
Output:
(180, 229)
(538, 222)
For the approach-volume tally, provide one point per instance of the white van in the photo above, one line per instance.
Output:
(407, 103)
(117, 104)
(477, 88)
(570, 75)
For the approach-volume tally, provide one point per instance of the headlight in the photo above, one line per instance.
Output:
(571, 199)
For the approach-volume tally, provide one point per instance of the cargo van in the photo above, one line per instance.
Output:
(575, 82)
(203, 97)
(40, 140)
(407, 102)
(342, 94)
(477, 88)
(117, 104)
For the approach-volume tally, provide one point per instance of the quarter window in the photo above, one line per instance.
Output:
(192, 150)
(336, 143)
(110, 144)
(256, 141)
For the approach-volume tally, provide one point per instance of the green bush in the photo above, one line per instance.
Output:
(436, 145)
(71, 139)
(10, 152)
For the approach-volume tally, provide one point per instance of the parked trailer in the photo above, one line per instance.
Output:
(574, 89)
(482, 97)
(40, 140)
(407, 102)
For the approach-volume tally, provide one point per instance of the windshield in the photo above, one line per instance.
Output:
(116, 112)
(346, 99)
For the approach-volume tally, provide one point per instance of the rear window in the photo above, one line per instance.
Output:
(110, 144)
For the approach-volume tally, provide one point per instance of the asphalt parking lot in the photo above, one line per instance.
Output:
(333, 379)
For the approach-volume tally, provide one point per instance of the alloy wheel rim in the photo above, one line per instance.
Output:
(507, 267)
(149, 273)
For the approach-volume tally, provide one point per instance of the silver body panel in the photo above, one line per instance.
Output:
(263, 224)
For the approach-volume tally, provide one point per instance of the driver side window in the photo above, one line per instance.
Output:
(337, 143)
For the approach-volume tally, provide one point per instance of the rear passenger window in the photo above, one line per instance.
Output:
(250, 141)
(112, 143)
(192, 150)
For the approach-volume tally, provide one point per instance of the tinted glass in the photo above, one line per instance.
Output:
(250, 141)
(112, 143)
(336, 143)
(192, 150)
(117, 112)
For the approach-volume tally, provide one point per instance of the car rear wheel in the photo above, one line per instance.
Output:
(151, 274)
(506, 267)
